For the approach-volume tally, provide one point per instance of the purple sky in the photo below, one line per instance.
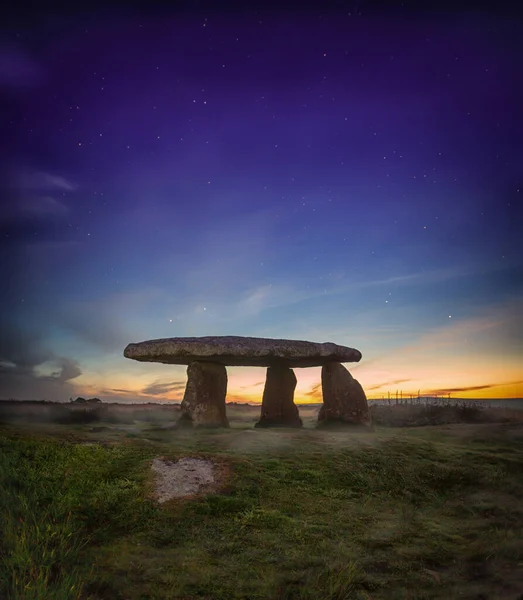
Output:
(353, 178)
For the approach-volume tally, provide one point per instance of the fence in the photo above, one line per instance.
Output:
(399, 400)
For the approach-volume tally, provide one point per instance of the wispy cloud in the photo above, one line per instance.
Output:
(104, 322)
(224, 264)
(315, 391)
(248, 387)
(56, 182)
(268, 296)
(109, 394)
(161, 388)
(498, 326)
(118, 390)
(490, 327)
(32, 205)
(18, 69)
(264, 297)
(454, 357)
(42, 206)
(470, 388)
(28, 179)
(386, 383)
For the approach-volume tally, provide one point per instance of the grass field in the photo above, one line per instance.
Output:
(410, 513)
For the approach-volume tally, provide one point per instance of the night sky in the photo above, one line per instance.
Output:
(347, 175)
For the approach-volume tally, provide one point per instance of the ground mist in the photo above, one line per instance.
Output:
(400, 512)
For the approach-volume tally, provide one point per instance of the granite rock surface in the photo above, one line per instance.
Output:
(241, 351)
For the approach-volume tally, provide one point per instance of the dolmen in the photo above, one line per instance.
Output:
(203, 405)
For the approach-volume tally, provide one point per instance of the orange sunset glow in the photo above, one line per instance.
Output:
(472, 358)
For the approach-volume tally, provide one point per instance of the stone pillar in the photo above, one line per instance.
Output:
(203, 403)
(344, 401)
(278, 408)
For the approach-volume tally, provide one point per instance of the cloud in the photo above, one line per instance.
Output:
(31, 369)
(159, 389)
(126, 396)
(263, 297)
(118, 390)
(20, 385)
(479, 352)
(18, 69)
(21, 348)
(96, 323)
(225, 262)
(385, 383)
(492, 325)
(21, 354)
(56, 182)
(229, 281)
(496, 326)
(30, 209)
(33, 209)
(7, 364)
(32, 180)
(315, 391)
(102, 322)
(248, 387)
(69, 369)
(113, 395)
(258, 299)
(47, 206)
(470, 388)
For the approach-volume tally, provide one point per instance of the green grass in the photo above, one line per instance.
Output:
(421, 513)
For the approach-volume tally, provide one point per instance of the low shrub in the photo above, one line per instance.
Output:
(78, 417)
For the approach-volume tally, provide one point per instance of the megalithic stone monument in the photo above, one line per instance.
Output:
(203, 403)
(278, 408)
(207, 357)
(344, 401)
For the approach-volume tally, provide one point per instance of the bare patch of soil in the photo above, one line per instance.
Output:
(187, 477)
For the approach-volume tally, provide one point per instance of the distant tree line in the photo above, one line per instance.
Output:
(81, 400)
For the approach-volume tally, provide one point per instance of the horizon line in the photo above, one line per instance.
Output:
(254, 403)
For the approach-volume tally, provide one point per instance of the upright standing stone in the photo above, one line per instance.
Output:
(344, 401)
(204, 399)
(278, 408)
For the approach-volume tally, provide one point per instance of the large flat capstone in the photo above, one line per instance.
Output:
(239, 351)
